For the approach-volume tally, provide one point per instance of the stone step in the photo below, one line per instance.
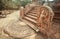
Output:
(32, 14)
(33, 10)
(33, 26)
(32, 17)
(30, 20)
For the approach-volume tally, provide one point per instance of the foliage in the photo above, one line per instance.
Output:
(24, 2)
(14, 3)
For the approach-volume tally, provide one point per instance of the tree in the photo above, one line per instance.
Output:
(24, 2)
(1, 5)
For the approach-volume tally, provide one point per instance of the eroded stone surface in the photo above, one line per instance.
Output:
(5, 37)
(13, 17)
(18, 30)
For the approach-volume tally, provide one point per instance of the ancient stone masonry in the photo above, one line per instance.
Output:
(40, 16)
(44, 20)
(22, 12)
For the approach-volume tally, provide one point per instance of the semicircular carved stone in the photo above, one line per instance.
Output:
(45, 19)
(5, 37)
(18, 30)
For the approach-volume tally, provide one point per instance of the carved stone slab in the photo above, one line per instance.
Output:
(5, 37)
(18, 30)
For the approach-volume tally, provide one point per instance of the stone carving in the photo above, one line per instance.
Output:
(44, 16)
(44, 19)
(21, 12)
(18, 30)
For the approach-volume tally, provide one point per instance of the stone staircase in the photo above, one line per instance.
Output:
(31, 16)
(30, 19)
(34, 19)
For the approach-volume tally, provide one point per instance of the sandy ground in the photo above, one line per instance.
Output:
(11, 17)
